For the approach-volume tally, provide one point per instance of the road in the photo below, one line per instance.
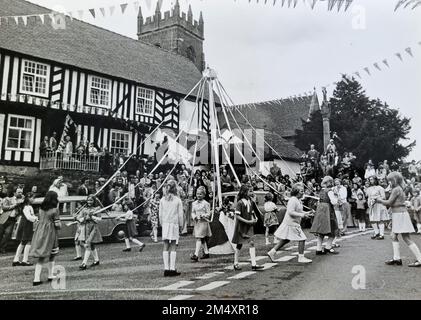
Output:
(137, 275)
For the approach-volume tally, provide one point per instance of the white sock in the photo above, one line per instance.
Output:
(236, 255)
(360, 226)
(415, 251)
(96, 255)
(26, 253)
(166, 257)
(381, 227)
(319, 244)
(78, 249)
(87, 255)
(127, 241)
(376, 228)
(205, 248)
(137, 242)
(419, 227)
(363, 225)
(155, 234)
(37, 275)
(198, 246)
(396, 251)
(252, 251)
(329, 243)
(19, 251)
(51, 269)
(173, 256)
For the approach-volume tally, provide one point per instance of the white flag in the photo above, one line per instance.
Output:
(112, 9)
(25, 20)
(409, 51)
(16, 20)
(313, 4)
(283, 2)
(102, 11)
(340, 3)
(41, 16)
(368, 71)
(136, 6)
(400, 2)
(70, 14)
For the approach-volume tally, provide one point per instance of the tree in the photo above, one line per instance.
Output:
(367, 127)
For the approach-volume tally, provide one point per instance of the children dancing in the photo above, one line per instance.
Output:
(130, 228)
(270, 219)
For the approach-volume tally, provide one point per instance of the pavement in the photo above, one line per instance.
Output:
(357, 273)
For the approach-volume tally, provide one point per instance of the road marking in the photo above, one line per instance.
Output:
(269, 265)
(258, 258)
(242, 275)
(312, 248)
(284, 259)
(177, 285)
(231, 267)
(210, 275)
(212, 285)
(296, 253)
(291, 248)
(181, 297)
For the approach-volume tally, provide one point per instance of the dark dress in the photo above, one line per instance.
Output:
(25, 230)
(243, 232)
(45, 239)
(325, 223)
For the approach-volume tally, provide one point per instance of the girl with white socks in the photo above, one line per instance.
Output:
(201, 213)
(243, 232)
(171, 219)
(416, 207)
(377, 211)
(45, 239)
(25, 232)
(401, 222)
(130, 229)
(290, 228)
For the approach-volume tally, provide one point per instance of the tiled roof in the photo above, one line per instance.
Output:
(92, 48)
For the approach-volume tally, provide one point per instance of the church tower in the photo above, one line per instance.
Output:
(176, 31)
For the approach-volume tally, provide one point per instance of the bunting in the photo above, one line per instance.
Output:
(399, 56)
(366, 69)
(409, 51)
(92, 11)
(123, 7)
(386, 63)
(376, 65)
(405, 4)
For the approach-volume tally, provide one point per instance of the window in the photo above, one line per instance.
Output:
(20, 133)
(100, 92)
(35, 78)
(120, 142)
(145, 101)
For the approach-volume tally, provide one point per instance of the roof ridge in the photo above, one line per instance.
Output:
(273, 100)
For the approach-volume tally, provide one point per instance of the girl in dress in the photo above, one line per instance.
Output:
(290, 228)
(25, 232)
(245, 219)
(325, 223)
(201, 214)
(45, 239)
(271, 219)
(171, 219)
(401, 222)
(377, 211)
(416, 207)
(360, 210)
(153, 216)
(89, 234)
(130, 229)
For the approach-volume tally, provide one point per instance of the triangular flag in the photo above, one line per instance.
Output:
(377, 66)
(416, 5)
(289, 3)
(409, 51)
(340, 3)
(386, 63)
(80, 13)
(112, 9)
(368, 71)
(136, 5)
(399, 56)
(331, 4)
(295, 3)
(348, 3)
(400, 2)
(313, 4)
(123, 7)
(41, 16)
(25, 20)
(283, 2)
(409, 2)
(92, 11)
(16, 20)
(274, 2)
(102, 11)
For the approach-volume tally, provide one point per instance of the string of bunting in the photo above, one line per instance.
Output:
(408, 4)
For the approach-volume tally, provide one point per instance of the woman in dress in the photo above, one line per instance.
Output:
(25, 232)
(171, 219)
(45, 239)
(89, 234)
(325, 223)
(245, 219)
(290, 228)
(401, 222)
(377, 211)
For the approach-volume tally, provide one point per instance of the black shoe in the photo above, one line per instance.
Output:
(16, 264)
(380, 238)
(257, 268)
(142, 247)
(320, 253)
(237, 267)
(375, 236)
(127, 250)
(37, 283)
(394, 262)
(331, 251)
(96, 263)
(194, 258)
(51, 279)
(83, 267)
(77, 259)
(206, 256)
(26, 264)
(166, 273)
(174, 273)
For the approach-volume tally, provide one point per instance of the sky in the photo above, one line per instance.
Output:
(263, 52)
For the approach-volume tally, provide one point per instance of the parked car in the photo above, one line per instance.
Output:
(109, 226)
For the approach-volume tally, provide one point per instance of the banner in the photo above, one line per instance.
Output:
(69, 125)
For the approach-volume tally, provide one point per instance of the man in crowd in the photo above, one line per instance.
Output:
(53, 142)
(12, 205)
(83, 188)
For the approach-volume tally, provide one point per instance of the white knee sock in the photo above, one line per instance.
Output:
(137, 242)
(127, 241)
(381, 227)
(51, 269)
(236, 255)
(96, 255)
(37, 275)
(155, 234)
(87, 255)
(78, 249)
(252, 251)
(319, 244)
(198, 246)
(419, 227)
(396, 252)
(376, 228)
(414, 248)
(363, 225)
(26, 253)
(173, 257)
(329, 243)
(205, 248)
(166, 257)
(19, 251)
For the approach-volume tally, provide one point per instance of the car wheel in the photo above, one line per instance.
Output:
(117, 235)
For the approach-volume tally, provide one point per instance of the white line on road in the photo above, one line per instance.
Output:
(284, 259)
(269, 265)
(177, 285)
(258, 258)
(212, 285)
(242, 275)
(181, 297)
(312, 248)
(210, 275)
(231, 267)
(291, 248)
(296, 253)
